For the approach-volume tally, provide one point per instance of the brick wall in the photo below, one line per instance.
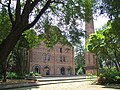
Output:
(54, 62)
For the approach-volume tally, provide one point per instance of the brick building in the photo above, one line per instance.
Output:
(57, 61)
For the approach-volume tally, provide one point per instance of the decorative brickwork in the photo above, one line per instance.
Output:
(57, 61)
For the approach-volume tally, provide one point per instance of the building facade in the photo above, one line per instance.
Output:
(57, 61)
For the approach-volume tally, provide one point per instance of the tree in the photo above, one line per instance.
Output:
(25, 14)
(21, 16)
(5, 26)
(111, 8)
(18, 57)
(79, 59)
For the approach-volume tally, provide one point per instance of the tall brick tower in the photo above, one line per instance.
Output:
(90, 60)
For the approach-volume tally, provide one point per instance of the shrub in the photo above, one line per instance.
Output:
(100, 79)
(111, 77)
(37, 74)
(34, 74)
(13, 75)
(117, 79)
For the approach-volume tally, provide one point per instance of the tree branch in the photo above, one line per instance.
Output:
(18, 11)
(57, 2)
(39, 15)
(3, 4)
(9, 12)
(34, 4)
(25, 13)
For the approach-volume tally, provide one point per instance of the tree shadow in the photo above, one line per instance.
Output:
(114, 86)
(37, 85)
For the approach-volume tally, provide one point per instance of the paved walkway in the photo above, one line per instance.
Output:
(66, 85)
(57, 83)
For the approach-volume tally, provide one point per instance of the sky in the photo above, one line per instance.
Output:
(100, 21)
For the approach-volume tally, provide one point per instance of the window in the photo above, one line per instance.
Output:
(60, 50)
(45, 57)
(48, 57)
(60, 58)
(62, 70)
(63, 59)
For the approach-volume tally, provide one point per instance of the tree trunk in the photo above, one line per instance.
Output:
(117, 68)
(117, 61)
(8, 45)
(4, 68)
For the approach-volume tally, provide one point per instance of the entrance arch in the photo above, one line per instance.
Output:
(36, 69)
(47, 70)
(62, 71)
(69, 71)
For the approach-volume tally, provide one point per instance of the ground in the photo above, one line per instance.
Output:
(68, 85)
(64, 83)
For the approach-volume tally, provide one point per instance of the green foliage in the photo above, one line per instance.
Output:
(5, 24)
(108, 76)
(32, 38)
(52, 35)
(88, 9)
(79, 60)
(34, 74)
(95, 42)
(106, 69)
(79, 71)
(17, 58)
(13, 75)
(110, 7)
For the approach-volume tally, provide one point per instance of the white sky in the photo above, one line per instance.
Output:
(100, 21)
